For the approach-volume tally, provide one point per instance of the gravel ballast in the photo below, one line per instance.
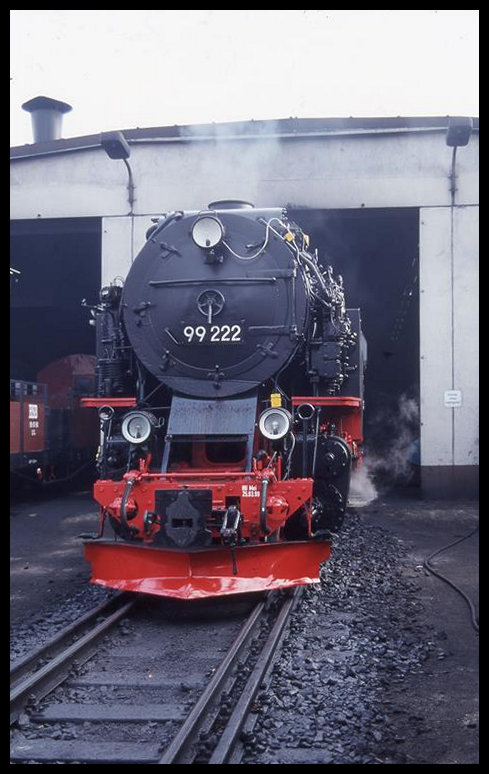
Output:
(359, 643)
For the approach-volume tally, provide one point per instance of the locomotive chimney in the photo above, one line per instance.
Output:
(46, 117)
(231, 204)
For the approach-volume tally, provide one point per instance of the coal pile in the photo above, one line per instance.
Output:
(353, 638)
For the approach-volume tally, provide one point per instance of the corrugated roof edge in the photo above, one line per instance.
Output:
(281, 127)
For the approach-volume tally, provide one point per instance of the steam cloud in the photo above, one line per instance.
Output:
(362, 488)
(394, 467)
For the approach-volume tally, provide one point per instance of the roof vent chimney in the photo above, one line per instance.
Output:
(46, 117)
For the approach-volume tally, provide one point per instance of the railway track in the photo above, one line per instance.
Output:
(148, 683)
(39, 672)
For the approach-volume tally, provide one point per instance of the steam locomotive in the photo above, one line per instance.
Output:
(230, 399)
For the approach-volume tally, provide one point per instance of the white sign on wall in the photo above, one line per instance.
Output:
(453, 398)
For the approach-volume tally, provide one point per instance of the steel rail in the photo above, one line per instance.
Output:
(180, 749)
(188, 733)
(49, 676)
(52, 646)
(235, 723)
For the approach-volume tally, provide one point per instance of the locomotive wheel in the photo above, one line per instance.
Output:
(332, 506)
(296, 527)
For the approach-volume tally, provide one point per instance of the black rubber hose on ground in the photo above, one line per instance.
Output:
(427, 565)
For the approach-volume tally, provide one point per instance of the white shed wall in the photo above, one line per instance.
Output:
(435, 343)
(122, 239)
(449, 335)
(466, 334)
(409, 170)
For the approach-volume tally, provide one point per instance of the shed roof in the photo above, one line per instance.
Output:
(239, 130)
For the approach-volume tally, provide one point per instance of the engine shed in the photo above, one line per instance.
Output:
(391, 204)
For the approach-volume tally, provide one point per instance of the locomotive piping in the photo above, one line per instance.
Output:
(263, 507)
(314, 457)
(125, 497)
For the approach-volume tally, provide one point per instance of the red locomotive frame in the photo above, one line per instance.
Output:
(265, 500)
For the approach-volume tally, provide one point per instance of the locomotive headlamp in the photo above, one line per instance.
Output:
(306, 412)
(137, 426)
(207, 232)
(105, 413)
(275, 423)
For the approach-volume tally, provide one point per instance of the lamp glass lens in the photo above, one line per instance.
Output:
(136, 428)
(207, 232)
(275, 423)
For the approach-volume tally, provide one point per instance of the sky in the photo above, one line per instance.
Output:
(122, 69)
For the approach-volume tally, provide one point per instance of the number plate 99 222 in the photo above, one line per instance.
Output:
(212, 334)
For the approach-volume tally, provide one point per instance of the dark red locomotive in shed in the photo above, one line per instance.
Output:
(230, 396)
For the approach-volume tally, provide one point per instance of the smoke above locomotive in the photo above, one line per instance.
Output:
(231, 345)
